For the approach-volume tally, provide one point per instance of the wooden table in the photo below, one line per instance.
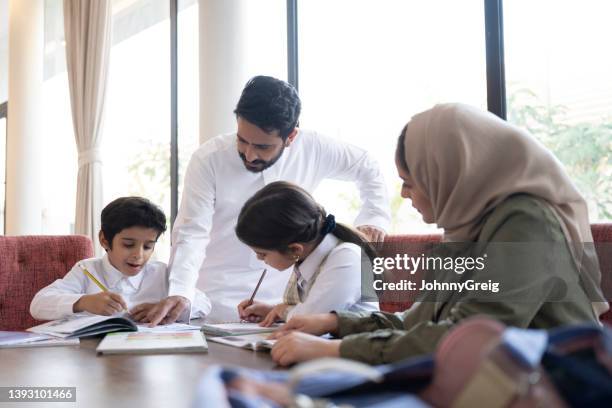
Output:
(137, 381)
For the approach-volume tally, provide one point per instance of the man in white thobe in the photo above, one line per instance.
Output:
(228, 169)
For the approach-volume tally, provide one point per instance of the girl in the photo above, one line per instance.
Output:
(487, 182)
(286, 228)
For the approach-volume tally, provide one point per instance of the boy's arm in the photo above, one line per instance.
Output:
(57, 299)
(343, 161)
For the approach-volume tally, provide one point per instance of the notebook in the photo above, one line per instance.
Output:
(236, 329)
(14, 339)
(81, 325)
(192, 341)
(250, 341)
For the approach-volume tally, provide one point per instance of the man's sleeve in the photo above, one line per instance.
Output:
(192, 227)
(342, 161)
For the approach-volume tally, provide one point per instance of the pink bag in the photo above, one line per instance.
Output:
(473, 367)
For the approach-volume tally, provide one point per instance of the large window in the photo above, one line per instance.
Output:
(188, 85)
(366, 66)
(60, 158)
(559, 86)
(136, 143)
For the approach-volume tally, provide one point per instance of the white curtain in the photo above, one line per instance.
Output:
(87, 26)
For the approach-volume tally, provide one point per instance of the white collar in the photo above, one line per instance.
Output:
(313, 261)
(113, 276)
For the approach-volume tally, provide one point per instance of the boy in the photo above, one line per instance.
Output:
(130, 228)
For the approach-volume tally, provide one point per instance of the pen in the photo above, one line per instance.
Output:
(94, 280)
(257, 287)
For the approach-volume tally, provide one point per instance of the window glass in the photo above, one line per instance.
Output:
(136, 139)
(559, 86)
(60, 158)
(367, 66)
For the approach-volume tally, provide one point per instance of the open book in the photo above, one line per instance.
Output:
(85, 324)
(149, 342)
(236, 329)
(249, 341)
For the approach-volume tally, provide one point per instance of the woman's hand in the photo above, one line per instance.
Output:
(276, 314)
(317, 324)
(253, 312)
(296, 347)
(103, 303)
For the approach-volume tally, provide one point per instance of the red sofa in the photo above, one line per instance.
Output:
(602, 236)
(29, 263)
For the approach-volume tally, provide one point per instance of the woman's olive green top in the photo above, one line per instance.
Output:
(527, 280)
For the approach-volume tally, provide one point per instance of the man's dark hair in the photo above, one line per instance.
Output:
(126, 212)
(270, 104)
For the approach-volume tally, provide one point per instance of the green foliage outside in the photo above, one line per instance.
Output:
(585, 148)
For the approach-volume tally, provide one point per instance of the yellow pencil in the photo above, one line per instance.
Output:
(93, 278)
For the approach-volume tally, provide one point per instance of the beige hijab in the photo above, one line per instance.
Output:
(469, 161)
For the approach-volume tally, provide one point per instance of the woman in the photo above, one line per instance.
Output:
(287, 228)
(484, 181)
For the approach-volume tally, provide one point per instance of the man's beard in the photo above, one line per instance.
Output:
(260, 165)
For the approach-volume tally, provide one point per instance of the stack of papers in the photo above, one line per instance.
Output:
(250, 341)
(148, 342)
(10, 339)
(236, 329)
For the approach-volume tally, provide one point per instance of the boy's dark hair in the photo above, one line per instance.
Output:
(283, 213)
(270, 104)
(126, 212)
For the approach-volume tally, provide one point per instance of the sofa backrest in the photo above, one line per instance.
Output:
(602, 236)
(29, 263)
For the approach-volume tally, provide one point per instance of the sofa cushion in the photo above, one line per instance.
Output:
(29, 263)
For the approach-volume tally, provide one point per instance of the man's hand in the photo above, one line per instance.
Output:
(317, 324)
(167, 310)
(296, 347)
(277, 313)
(372, 233)
(103, 303)
(139, 312)
(253, 312)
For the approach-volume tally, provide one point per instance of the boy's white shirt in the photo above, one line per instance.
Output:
(150, 285)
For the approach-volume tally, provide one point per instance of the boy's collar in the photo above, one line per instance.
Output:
(114, 275)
